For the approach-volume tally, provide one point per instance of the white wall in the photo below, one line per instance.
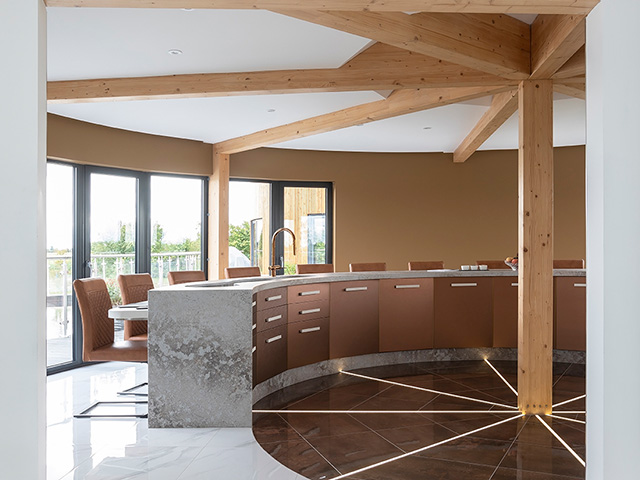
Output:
(22, 239)
(613, 241)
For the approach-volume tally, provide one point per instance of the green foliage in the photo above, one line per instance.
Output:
(114, 291)
(289, 268)
(240, 237)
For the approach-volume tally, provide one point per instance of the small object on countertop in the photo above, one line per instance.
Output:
(483, 267)
(473, 267)
(464, 267)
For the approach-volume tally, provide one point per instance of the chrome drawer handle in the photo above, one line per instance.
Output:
(464, 284)
(253, 304)
(310, 292)
(273, 319)
(514, 284)
(355, 289)
(407, 286)
(273, 339)
(253, 327)
(584, 285)
(312, 310)
(275, 297)
(253, 350)
(309, 330)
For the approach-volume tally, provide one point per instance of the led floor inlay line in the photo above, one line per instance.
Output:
(565, 418)
(413, 452)
(501, 377)
(569, 401)
(428, 390)
(559, 438)
(510, 412)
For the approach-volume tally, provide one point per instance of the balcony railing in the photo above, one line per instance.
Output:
(108, 266)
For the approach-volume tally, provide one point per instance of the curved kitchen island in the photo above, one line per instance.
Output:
(217, 347)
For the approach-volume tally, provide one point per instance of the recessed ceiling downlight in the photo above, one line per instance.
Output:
(271, 110)
(427, 128)
(174, 51)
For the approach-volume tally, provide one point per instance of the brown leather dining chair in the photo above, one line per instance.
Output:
(432, 265)
(240, 272)
(314, 268)
(568, 263)
(368, 267)
(135, 288)
(186, 276)
(98, 344)
(493, 264)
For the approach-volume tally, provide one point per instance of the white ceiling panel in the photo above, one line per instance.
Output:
(212, 119)
(105, 43)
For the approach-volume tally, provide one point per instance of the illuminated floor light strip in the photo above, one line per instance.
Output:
(501, 377)
(413, 452)
(510, 412)
(569, 401)
(567, 419)
(428, 390)
(565, 444)
(568, 412)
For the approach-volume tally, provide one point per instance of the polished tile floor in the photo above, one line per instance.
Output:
(116, 449)
(297, 427)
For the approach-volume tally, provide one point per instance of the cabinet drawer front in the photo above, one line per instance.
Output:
(308, 293)
(308, 342)
(271, 298)
(271, 318)
(305, 311)
(271, 353)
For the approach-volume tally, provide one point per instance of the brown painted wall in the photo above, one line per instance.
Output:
(389, 207)
(87, 143)
(401, 207)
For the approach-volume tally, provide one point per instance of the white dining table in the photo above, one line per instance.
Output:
(131, 311)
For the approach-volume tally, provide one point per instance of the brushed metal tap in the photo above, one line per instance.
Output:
(273, 268)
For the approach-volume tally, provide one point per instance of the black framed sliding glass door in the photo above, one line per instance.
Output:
(103, 222)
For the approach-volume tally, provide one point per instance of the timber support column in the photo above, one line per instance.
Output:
(535, 247)
(219, 216)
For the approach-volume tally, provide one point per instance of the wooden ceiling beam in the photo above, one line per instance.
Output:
(399, 103)
(555, 39)
(380, 67)
(502, 107)
(577, 90)
(576, 66)
(448, 6)
(496, 44)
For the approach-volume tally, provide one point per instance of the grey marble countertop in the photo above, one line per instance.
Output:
(257, 284)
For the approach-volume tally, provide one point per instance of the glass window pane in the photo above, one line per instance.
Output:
(113, 232)
(249, 212)
(305, 214)
(176, 226)
(59, 263)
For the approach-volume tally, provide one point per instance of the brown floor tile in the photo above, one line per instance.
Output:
(503, 432)
(272, 428)
(478, 451)
(391, 420)
(312, 425)
(570, 384)
(482, 382)
(419, 468)
(413, 438)
(350, 452)
(432, 382)
(542, 459)
(302, 458)
(390, 403)
(327, 400)
(514, 474)
(410, 394)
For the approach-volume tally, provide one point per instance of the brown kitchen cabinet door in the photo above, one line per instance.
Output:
(570, 301)
(406, 314)
(271, 353)
(270, 318)
(505, 312)
(304, 311)
(307, 342)
(353, 324)
(463, 316)
(308, 293)
(272, 297)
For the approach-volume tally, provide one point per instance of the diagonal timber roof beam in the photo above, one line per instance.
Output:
(577, 90)
(555, 39)
(380, 67)
(502, 107)
(496, 44)
(576, 66)
(451, 6)
(399, 103)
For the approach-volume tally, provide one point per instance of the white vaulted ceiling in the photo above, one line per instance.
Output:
(88, 43)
